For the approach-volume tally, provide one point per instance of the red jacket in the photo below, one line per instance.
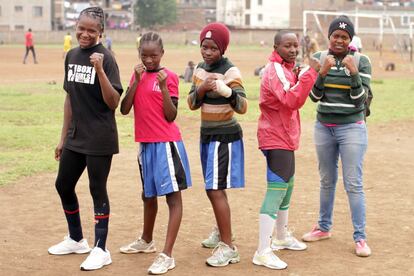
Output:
(282, 93)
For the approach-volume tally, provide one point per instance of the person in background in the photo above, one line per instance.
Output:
(356, 42)
(108, 42)
(311, 47)
(29, 43)
(188, 72)
(138, 41)
(67, 44)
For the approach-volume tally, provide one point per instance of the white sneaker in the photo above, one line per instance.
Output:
(223, 255)
(69, 246)
(96, 259)
(214, 238)
(290, 243)
(139, 246)
(268, 259)
(161, 264)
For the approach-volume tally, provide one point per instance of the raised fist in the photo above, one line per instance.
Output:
(223, 89)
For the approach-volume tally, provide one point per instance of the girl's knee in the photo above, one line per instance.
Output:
(215, 194)
(99, 195)
(174, 199)
(63, 188)
(328, 182)
(354, 188)
(149, 201)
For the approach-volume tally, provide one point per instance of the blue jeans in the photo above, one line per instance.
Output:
(349, 141)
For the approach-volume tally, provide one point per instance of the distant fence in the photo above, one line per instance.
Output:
(123, 36)
(238, 37)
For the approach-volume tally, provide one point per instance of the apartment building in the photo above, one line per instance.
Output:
(23, 14)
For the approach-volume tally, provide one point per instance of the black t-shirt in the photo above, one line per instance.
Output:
(93, 128)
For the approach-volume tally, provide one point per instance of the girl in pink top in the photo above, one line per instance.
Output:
(283, 91)
(163, 163)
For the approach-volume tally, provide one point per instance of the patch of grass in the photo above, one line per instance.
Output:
(393, 101)
(31, 120)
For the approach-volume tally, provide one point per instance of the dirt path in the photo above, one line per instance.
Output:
(32, 219)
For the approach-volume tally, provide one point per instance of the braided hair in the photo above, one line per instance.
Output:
(151, 37)
(96, 13)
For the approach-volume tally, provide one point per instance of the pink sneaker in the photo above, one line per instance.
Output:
(316, 235)
(362, 249)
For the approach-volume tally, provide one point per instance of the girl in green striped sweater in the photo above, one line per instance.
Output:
(341, 90)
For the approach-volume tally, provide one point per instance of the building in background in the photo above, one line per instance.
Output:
(254, 14)
(193, 14)
(118, 13)
(46, 15)
(23, 14)
(58, 14)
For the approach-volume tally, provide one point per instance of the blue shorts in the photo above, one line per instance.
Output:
(223, 164)
(164, 168)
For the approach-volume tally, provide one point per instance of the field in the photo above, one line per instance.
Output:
(32, 219)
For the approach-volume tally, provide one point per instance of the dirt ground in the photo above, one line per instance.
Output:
(32, 217)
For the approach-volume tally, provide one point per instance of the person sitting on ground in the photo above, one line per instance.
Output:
(188, 73)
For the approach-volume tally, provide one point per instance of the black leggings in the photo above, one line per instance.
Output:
(71, 166)
(30, 48)
(281, 162)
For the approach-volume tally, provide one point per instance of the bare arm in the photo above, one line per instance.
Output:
(67, 117)
(128, 100)
(110, 95)
(170, 110)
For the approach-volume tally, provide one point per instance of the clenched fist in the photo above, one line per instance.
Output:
(162, 79)
(349, 63)
(96, 60)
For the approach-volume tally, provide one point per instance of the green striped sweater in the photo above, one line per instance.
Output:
(341, 96)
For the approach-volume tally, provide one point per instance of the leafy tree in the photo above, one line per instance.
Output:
(149, 13)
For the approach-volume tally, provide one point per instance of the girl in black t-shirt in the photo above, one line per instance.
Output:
(89, 136)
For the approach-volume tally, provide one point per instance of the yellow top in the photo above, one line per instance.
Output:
(67, 43)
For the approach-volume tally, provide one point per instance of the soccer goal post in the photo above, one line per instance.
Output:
(354, 16)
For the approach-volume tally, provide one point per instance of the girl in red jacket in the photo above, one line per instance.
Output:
(283, 91)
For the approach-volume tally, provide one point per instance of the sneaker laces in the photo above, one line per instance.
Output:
(159, 260)
(137, 241)
(289, 236)
(273, 257)
(361, 244)
(218, 251)
(289, 232)
(94, 252)
(316, 228)
(215, 233)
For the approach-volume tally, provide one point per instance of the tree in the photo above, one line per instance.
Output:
(149, 13)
